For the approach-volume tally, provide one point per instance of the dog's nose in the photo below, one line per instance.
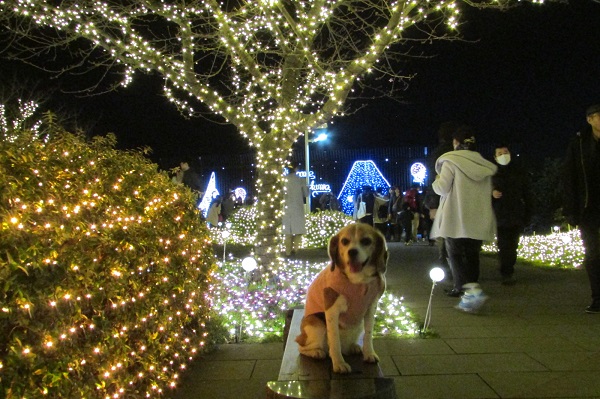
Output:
(353, 252)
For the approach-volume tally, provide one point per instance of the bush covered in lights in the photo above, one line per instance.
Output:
(559, 249)
(104, 265)
(320, 226)
(255, 310)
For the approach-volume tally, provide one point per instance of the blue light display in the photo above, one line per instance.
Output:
(362, 173)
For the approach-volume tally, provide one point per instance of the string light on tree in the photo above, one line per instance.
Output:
(273, 70)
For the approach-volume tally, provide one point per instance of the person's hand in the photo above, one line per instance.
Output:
(496, 194)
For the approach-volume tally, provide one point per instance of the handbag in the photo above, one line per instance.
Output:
(362, 210)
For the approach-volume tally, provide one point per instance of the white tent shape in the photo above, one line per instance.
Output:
(210, 193)
(362, 173)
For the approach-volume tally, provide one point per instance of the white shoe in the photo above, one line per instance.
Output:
(473, 298)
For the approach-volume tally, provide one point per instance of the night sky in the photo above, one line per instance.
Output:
(523, 76)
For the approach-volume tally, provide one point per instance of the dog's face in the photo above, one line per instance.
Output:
(360, 251)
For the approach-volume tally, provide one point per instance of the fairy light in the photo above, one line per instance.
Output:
(283, 82)
(105, 270)
(564, 250)
(362, 173)
(271, 105)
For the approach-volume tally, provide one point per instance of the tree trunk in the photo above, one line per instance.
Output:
(272, 159)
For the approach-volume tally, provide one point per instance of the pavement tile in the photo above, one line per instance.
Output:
(510, 344)
(267, 369)
(221, 370)
(573, 384)
(222, 389)
(576, 361)
(460, 364)
(272, 350)
(411, 346)
(460, 386)
(388, 367)
(508, 330)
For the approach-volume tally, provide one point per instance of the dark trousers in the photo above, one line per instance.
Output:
(590, 234)
(406, 226)
(508, 242)
(464, 260)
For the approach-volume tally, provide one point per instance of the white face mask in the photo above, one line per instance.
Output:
(503, 159)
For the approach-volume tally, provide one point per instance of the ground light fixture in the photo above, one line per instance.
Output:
(225, 234)
(436, 274)
(249, 265)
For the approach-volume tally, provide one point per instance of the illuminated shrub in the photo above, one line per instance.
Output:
(104, 265)
(320, 226)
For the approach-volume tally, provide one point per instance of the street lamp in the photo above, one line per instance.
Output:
(321, 137)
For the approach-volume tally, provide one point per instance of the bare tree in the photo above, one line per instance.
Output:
(272, 68)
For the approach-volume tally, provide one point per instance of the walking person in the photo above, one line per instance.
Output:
(465, 216)
(214, 210)
(581, 196)
(394, 208)
(294, 222)
(512, 204)
(445, 132)
(412, 198)
(405, 222)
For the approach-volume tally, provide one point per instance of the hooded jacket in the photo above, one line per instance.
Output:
(464, 183)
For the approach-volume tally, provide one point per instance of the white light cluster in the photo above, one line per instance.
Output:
(564, 250)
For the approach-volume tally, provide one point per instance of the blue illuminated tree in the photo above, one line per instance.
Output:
(362, 173)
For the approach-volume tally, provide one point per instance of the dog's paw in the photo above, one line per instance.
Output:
(315, 353)
(341, 367)
(371, 357)
(355, 349)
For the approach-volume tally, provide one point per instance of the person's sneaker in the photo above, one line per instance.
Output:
(594, 308)
(509, 280)
(473, 298)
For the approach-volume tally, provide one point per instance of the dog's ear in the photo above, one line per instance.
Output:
(381, 253)
(333, 250)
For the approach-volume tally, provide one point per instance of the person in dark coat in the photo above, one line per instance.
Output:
(404, 221)
(512, 202)
(191, 179)
(368, 197)
(581, 196)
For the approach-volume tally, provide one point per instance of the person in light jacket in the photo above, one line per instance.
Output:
(465, 216)
(294, 222)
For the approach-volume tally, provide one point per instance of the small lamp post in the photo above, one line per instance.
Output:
(249, 265)
(436, 274)
(225, 234)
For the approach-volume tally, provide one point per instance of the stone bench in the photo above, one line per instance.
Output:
(302, 377)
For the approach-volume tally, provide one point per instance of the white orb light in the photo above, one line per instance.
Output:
(249, 264)
(437, 274)
(226, 234)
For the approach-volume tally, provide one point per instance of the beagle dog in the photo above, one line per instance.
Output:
(342, 300)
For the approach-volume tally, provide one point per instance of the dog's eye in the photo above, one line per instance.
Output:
(366, 241)
(345, 241)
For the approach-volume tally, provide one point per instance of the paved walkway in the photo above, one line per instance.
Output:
(532, 340)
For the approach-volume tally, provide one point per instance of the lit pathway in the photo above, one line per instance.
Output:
(533, 340)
